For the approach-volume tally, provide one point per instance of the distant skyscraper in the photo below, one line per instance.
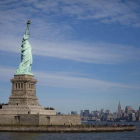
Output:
(132, 117)
(108, 111)
(122, 113)
(102, 111)
(81, 113)
(86, 113)
(92, 112)
(119, 110)
(128, 110)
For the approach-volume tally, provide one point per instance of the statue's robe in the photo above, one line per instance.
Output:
(26, 55)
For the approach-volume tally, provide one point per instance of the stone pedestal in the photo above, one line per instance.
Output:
(23, 91)
(23, 99)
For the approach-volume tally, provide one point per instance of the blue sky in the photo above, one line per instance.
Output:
(86, 53)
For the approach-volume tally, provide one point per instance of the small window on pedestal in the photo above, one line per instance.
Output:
(21, 85)
(18, 85)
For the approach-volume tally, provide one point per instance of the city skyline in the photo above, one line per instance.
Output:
(102, 110)
(89, 54)
(123, 115)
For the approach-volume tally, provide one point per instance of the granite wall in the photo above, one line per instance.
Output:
(31, 119)
(19, 119)
(65, 120)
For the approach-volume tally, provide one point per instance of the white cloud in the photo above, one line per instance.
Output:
(123, 12)
(49, 17)
(47, 27)
(97, 52)
(68, 80)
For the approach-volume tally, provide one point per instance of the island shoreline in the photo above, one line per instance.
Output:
(65, 129)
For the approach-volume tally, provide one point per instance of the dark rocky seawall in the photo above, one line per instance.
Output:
(66, 129)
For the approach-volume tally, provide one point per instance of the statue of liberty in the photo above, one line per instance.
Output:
(26, 55)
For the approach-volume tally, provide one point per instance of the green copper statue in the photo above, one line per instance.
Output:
(26, 55)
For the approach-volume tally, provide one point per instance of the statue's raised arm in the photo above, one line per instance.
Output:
(26, 35)
(26, 54)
